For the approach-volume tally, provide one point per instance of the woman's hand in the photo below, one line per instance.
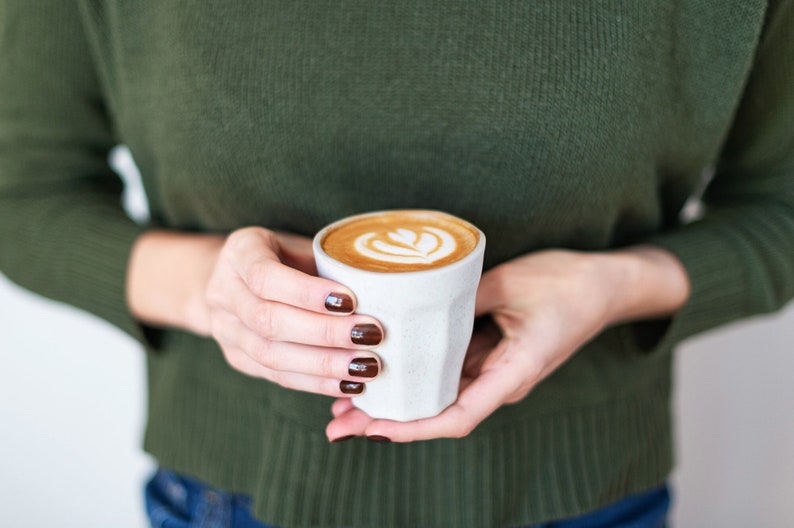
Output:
(256, 292)
(546, 306)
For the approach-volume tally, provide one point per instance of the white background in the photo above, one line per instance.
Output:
(72, 396)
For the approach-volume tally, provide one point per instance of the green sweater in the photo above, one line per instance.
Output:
(579, 124)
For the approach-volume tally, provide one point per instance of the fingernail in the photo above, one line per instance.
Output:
(379, 439)
(343, 438)
(351, 387)
(363, 367)
(366, 334)
(339, 302)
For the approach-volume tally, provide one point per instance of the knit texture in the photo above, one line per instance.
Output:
(579, 124)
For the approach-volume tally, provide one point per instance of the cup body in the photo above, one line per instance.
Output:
(427, 318)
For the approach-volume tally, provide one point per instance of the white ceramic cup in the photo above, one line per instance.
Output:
(427, 317)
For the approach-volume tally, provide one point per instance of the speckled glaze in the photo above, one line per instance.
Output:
(427, 317)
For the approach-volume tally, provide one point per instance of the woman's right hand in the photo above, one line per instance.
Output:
(257, 294)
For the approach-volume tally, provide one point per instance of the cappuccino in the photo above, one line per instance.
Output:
(427, 314)
(401, 240)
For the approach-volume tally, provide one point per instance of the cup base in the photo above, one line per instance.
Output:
(397, 414)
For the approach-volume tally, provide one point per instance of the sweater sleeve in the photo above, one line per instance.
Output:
(740, 254)
(63, 231)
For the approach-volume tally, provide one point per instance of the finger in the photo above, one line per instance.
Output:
(476, 402)
(349, 421)
(256, 259)
(352, 422)
(271, 280)
(241, 362)
(281, 322)
(341, 406)
(334, 363)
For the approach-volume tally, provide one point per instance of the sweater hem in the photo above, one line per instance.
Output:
(542, 468)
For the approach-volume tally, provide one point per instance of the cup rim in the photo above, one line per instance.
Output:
(318, 248)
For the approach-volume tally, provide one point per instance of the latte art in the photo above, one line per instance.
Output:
(399, 241)
(406, 246)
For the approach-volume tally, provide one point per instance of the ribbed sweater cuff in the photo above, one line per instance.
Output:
(90, 244)
(718, 286)
(99, 271)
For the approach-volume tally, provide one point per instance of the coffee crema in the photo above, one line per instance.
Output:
(401, 240)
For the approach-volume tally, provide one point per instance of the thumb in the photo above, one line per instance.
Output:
(490, 293)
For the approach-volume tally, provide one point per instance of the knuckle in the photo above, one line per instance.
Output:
(246, 238)
(263, 354)
(233, 359)
(464, 429)
(256, 277)
(523, 390)
(327, 365)
(264, 320)
(237, 240)
(279, 378)
(329, 331)
(233, 240)
(243, 235)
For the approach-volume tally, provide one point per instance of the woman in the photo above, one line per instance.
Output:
(571, 134)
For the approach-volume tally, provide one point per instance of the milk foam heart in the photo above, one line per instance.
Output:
(407, 246)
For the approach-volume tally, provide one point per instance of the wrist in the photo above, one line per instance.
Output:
(167, 276)
(195, 310)
(643, 282)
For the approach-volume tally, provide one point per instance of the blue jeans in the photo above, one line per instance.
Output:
(177, 501)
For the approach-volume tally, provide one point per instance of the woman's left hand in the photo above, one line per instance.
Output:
(546, 305)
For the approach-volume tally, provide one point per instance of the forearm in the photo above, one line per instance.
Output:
(649, 282)
(167, 276)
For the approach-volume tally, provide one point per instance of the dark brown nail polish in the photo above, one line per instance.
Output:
(339, 302)
(342, 438)
(363, 367)
(366, 334)
(378, 438)
(351, 387)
